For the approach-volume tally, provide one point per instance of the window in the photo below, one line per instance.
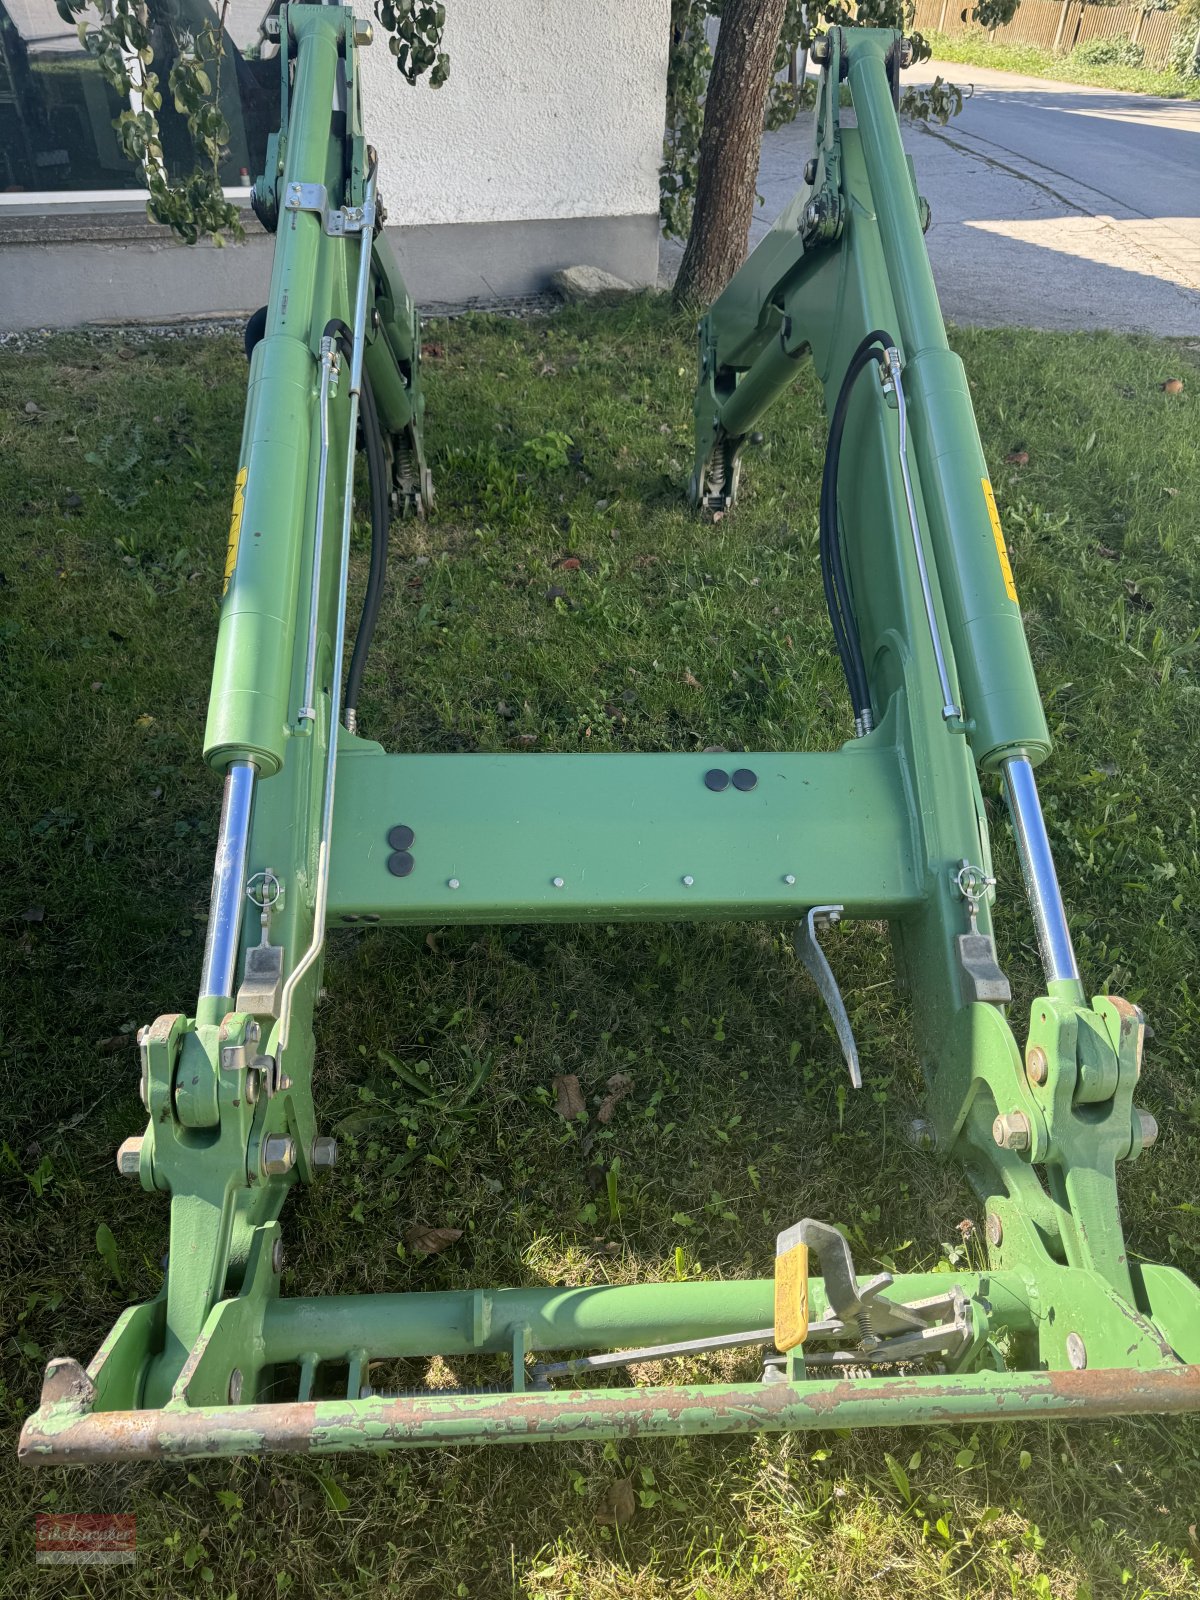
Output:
(57, 112)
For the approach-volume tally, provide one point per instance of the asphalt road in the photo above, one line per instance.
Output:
(1054, 205)
(1094, 194)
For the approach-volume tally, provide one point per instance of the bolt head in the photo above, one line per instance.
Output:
(558, 882)
(995, 1229)
(688, 881)
(789, 878)
(129, 1157)
(1037, 1067)
(1076, 1352)
(363, 32)
(278, 1155)
(235, 1386)
(452, 883)
(1011, 1131)
(1147, 1127)
(906, 52)
(324, 1153)
(277, 1256)
(252, 1086)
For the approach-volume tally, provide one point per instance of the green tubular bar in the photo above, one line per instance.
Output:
(341, 1426)
(1062, 1323)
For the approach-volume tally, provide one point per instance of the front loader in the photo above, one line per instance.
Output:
(321, 828)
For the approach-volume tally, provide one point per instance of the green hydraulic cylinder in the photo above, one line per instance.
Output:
(999, 692)
(249, 711)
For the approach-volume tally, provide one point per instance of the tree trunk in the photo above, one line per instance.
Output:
(743, 66)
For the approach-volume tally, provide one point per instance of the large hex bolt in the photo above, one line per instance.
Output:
(324, 1152)
(1147, 1128)
(278, 1155)
(819, 49)
(1011, 1131)
(129, 1157)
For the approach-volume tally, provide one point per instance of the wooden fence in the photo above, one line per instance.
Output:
(1059, 25)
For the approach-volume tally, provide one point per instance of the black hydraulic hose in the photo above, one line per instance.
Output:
(377, 474)
(833, 568)
(380, 490)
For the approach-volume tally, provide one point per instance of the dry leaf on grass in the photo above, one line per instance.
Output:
(691, 680)
(1171, 386)
(1018, 458)
(568, 1097)
(618, 1087)
(618, 1505)
(425, 1241)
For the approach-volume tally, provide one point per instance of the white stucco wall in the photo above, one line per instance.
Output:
(552, 110)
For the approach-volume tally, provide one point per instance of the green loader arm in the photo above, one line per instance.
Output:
(320, 827)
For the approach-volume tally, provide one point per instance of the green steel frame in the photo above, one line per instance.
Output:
(891, 826)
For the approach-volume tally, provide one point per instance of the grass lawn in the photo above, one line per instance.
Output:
(568, 440)
(979, 51)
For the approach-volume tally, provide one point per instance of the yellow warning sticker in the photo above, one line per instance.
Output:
(998, 535)
(235, 527)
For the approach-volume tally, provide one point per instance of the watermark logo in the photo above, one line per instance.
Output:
(85, 1539)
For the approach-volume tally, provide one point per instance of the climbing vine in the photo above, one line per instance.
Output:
(129, 39)
(690, 59)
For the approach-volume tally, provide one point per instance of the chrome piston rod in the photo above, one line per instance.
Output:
(1037, 868)
(229, 882)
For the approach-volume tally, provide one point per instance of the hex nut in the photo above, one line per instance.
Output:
(1147, 1127)
(278, 1155)
(324, 1152)
(129, 1157)
(1011, 1131)
(1037, 1067)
